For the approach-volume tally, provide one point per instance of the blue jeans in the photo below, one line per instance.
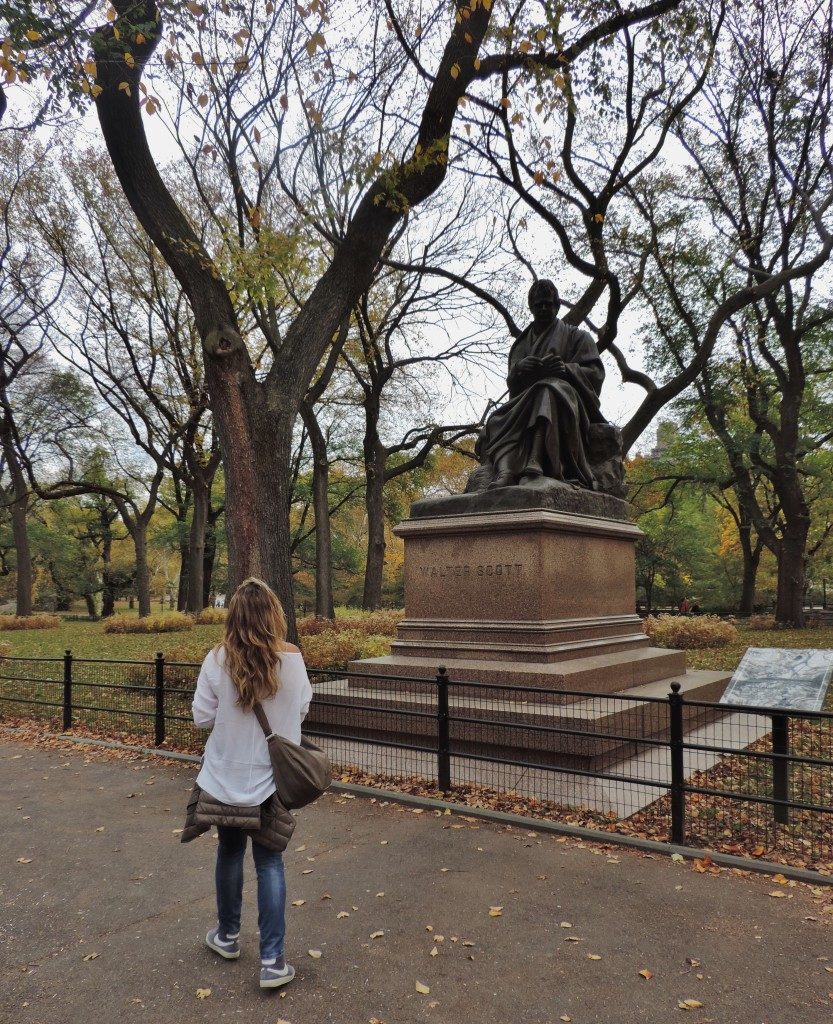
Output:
(271, 890)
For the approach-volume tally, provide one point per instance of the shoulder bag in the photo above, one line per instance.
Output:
(302, 770)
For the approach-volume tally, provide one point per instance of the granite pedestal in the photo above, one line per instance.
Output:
(521, 586)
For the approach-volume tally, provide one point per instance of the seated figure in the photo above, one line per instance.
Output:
(551, 424)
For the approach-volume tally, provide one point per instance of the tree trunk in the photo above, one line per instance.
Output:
(374, 506)
(324, 602)
(25, 576)
(18, 510)
(789, 604)
(182, 585)
(751, 561)
(209, 555)
(89, 600)
(196, 545)
(140, 543)
(108, 591)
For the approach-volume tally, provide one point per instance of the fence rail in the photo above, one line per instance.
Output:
(746, 780)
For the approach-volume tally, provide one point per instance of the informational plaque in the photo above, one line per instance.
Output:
(776, 678)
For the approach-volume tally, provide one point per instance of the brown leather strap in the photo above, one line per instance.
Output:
(260, 714)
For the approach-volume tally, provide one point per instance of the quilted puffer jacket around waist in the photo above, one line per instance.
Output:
(269, 823)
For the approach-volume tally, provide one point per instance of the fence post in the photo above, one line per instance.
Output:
(159, 665)
(781, 767)
(67, 723)
(443, 743)
(675, 708)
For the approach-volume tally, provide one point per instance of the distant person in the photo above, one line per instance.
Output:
(220, 601)
(683, 607)
(695, 609)
(253, 663)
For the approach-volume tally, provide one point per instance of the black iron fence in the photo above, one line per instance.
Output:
(744, 780)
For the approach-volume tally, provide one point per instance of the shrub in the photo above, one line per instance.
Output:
(169, 622)
(764, 622)
(40, 620)
(378, 623)
(313, 625)
(690, 633)
(211, 616)
(375, 647)
(332, 648)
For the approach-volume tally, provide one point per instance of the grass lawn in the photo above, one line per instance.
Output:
(727, 658)
(88, 640)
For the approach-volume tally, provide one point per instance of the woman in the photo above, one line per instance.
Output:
(253, 663)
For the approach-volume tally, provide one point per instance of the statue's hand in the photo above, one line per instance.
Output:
(553, 364)
(528, 365)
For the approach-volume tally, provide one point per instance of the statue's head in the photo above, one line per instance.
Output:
(544, 301)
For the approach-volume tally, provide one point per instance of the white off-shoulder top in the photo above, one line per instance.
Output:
(236, 768)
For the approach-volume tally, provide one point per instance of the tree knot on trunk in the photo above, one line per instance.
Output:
(223, 342)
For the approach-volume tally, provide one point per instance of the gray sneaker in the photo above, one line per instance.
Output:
(274, 977)
(229, 948)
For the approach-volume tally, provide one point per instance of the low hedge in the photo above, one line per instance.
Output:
(690, 632)
(211, 616)
(41, 620)
(168, 622)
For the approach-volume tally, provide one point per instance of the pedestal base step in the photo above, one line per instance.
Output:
(590, 732)
(600, 673)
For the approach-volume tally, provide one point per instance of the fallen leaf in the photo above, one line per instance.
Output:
(495, 911)
(565, 924)
(646, 974)
(690, 1004)
(314, 953)
(307, 871)
(434, 952)
(778, 894)
(90, 956)
(468, 943)
(203, 993)
(422, 989)
(678, 857)
(376, 935)
(24, 860)
(298, 903)
(593, 956)
(100, 829)
(341, 914)
(565, 1018)
(380, 894)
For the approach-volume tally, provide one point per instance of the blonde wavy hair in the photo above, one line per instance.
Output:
(255, 634)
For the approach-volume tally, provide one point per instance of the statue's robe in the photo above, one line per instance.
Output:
(564, 407)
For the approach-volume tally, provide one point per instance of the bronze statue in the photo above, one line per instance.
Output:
(544, 430)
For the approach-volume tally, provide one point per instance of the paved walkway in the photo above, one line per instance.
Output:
(103, 913)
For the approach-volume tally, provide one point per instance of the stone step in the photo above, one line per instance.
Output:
(598, 673)
(598, 730)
